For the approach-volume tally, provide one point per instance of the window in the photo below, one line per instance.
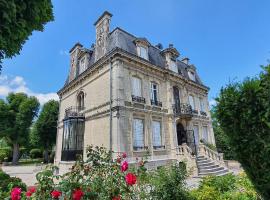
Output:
(202, 105)
(82, 66)
(205, 133)
(80, 101)
(156, 131)
(136, 87)
(191, 102)
(174, 66)
(142, 52)
(196, 134)
(138, 134)
(154, 92)
(72, 143)
(191, 75)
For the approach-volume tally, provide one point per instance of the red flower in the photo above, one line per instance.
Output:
(56, 194)
(16, 193)
(116, 198)
(124, 166)
(28, 194)
(32, 189)
(77, 194)
(118, 160)
(130, 179)
(124, 155)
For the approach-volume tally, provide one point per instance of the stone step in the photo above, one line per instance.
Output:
(200, 159)
(202, 162)
(215, 173)
(208, 166)
(214, 169)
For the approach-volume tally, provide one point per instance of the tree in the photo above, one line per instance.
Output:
(18, 20)
(16, 116)
(243, 110)
(222, 140)
(45, 128)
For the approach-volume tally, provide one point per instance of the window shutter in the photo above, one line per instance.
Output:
(136, 87)
(138, 133)
(156, 130)
(191, 101)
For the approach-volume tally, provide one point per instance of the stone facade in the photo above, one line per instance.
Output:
(99, 92)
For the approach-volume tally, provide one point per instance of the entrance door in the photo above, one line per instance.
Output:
(176, 98)
(181, 134)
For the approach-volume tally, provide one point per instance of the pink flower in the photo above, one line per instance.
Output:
(56, 194)
(124, 155)
(116, 198)
(77, 194)
(124, 166)
(131, 179)
(16, 193)
(32, 189)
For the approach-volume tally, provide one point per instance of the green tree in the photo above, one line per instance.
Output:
(18, 20)
(243, 110)
(222, 140)
(16, 116)
(45, 128)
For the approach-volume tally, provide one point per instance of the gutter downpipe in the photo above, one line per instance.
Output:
(110, 104)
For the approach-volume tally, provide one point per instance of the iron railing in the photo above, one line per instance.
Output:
(74, 111)
(182, 109)
(138, 99)
(203, 113)
(156, 103)
(140, 148)
(159, 147)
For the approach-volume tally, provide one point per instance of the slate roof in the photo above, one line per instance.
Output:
(125, 41)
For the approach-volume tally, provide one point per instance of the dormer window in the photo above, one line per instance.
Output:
(174, 66)
(142, 52)
(191, 75)
(82, 65)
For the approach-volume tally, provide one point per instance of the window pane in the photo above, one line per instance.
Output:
(205, 133)
(202, 104)
(174, 66)
(196, 134)
(154, 92)
(191, 76)
(143, 52)
(156, 131)
(191, 101)
(136, 87)
(138, 135)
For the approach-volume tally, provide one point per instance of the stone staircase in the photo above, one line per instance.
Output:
(207, 167)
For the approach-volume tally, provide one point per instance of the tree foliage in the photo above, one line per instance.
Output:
(16, 116)
(45, 128)
(243, 110)
(18, 20)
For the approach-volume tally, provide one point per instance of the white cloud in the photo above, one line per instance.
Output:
(63, 52)
(17, 84)
(212, 102)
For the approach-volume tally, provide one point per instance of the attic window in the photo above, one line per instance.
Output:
(191, 75)
(142, 52)
(82, 66)
(174, 66)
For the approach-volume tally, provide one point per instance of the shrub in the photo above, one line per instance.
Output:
(36, 153)
(5, 153)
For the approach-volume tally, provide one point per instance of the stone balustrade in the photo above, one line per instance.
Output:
(211, 154)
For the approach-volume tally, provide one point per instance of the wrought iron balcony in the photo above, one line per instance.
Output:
(159, 147)
(156, 103)
(71, 155)
(203, 113)
(182, 110)
(138, 99)
(140, 148)
(195, 112)
(74, 111)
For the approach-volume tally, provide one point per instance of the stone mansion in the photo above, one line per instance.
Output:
(130, 96)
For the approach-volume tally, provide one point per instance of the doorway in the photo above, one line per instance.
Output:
(181, 134)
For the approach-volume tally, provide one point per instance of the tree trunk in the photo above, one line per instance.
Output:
(16, 152)
(46, 156)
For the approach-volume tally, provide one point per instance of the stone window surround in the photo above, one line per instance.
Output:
(162, 132)
(141, 117)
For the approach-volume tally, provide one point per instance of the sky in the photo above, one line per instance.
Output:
(226, 40)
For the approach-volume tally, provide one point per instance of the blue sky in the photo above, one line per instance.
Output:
(225, 40)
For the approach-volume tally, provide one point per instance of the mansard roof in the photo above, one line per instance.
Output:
(121, 39)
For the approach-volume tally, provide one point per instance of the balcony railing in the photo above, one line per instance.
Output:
(140, 148)
(183, 109)
(71, 155)
(195, 112)
(156, 103)
(159, 147)
(138, 99)
(203, 113)
(74, 111)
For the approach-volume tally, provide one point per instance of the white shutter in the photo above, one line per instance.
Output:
(138, 136)
(191, 101)
(156, 130)
(205, 133)
(202, 104)
(136, 87)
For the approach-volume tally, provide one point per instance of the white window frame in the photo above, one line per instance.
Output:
(205, 133)
(138, 137)
(143, 52)
(191, 75)
(154, 91)
(82, 65)
(196, 135)
(202, 104)
(191, 98)
(174, 67)
(156, 139)
(136, 86)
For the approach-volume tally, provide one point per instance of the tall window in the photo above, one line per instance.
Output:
(138, 133)
(191, 102)
(142, 51)
(72, 143)
(154, 92)
(82, 66)
(205, 133)
(174, 66)
(136, 86)
(156, 132)
(80, 100)
(196, 134)
(191, 75)
(202, 105)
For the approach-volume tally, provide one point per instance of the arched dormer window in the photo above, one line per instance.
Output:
(142, 48)
(80, 101)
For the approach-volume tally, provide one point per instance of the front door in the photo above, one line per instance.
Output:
(181, 134)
